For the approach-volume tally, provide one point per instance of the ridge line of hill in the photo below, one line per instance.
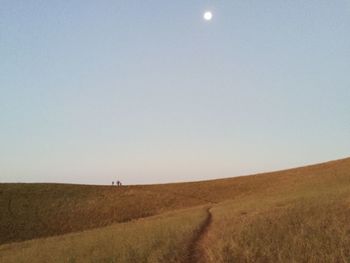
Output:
(30, 211)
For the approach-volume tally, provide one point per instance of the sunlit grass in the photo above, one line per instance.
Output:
(303, 226)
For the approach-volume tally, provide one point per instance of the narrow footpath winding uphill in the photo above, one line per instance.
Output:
(195, 252)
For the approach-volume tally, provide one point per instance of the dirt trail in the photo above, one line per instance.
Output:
(194, 251)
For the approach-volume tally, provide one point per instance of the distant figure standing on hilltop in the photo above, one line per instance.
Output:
(119, 183)
(112, 183)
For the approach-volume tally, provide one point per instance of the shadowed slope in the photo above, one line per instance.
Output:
(156, 239)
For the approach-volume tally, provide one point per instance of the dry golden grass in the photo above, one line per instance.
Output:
(30, 211)
(296, 215)
(303, 223)
(163, 238)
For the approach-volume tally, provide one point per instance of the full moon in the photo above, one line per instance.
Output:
(208, 15)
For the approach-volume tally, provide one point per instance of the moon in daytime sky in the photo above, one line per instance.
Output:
(208, 15)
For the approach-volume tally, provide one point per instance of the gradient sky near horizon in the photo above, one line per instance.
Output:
(149, 92)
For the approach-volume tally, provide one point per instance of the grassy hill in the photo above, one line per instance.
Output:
(296, 215)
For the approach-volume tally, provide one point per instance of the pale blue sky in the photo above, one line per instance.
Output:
(148, 92)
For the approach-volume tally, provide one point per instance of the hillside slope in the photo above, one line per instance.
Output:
(161, 238)
(30, 211)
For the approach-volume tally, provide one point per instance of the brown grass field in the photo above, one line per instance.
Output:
(296, 215)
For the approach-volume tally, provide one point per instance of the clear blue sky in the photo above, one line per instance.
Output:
(148, 92)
